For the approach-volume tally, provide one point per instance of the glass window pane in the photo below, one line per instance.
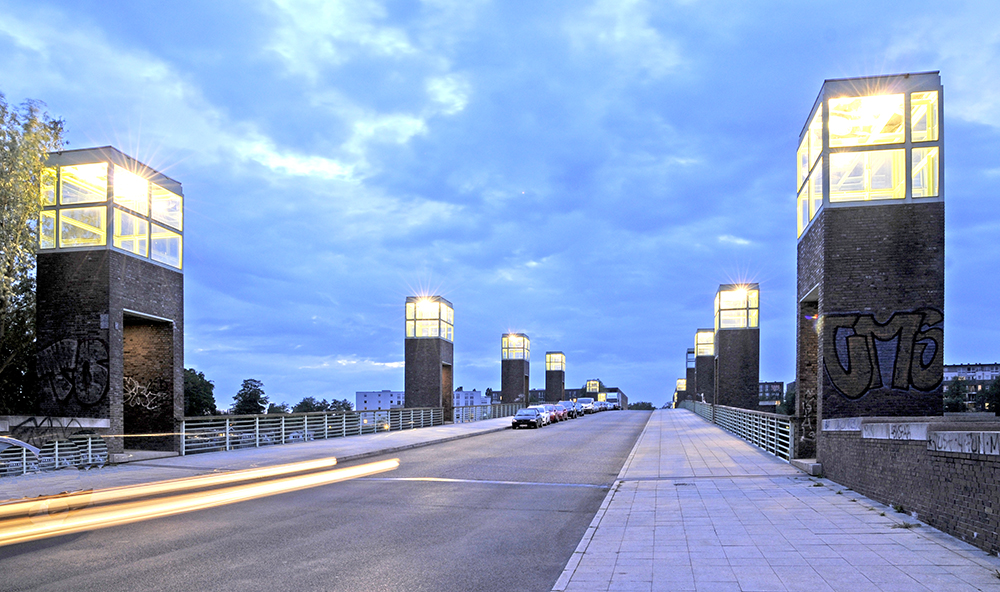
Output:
(131, 232)
(803, 160)
(47, 229)
(863, 121)
(754, 313)
(449, 332)
(428, 309)
(411, 328)
(733, 299)
(753, 298)
(924, 116)
(48, 186)
(863, 176)
(166, 246)
(83, 227)
(802, 209)
(815, 192)
(428, 328)
(411, 311)
(83, 183)
(816, 137)
(732, 319)
(131, 191)
(925, 172)
(167, 207)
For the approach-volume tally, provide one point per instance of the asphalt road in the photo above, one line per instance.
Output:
(501, 511)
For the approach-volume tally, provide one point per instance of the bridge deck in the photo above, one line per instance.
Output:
(700, 509)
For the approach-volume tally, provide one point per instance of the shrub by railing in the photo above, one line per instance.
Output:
(216, 433)
(771, 432)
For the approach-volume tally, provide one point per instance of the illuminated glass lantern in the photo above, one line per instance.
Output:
(690, 363)
(430, 316)
(593, 387)
(110, 296)
(515, 355)
(102, 199)
(429, 345)
(871, 140)
(870, 221)
(704, 374)
(682, 384)
(555, 376)
(737, 345)
(737, 307)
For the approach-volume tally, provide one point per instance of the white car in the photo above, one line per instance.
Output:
(546, 414)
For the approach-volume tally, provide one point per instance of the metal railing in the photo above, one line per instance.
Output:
(467, 413)
(771, 432)
(219, 433)
(81, 450)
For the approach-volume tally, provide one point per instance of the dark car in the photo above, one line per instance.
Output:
(528, 418)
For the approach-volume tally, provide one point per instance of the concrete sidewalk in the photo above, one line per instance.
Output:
(696, 508)
(160, 469)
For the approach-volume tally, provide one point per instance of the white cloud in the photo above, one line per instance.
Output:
(451, 92)
(733, 240)
(312, 35)
(621, 28)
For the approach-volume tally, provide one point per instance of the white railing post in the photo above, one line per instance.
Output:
(256, 431)
(227, 434)
(183, 439)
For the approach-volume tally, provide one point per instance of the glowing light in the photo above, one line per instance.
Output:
(38, 526)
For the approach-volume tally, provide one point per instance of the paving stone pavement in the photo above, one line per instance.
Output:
(698, 509)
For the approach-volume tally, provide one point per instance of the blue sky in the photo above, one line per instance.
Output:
(585, 172)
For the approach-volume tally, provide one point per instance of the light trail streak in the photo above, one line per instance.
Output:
(26, 528)
(116, 494)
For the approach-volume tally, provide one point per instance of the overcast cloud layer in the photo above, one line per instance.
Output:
(587, 173)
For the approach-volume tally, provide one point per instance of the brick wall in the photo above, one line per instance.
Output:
(954, 492)
(737, 372)
(555, 385)
(428, 374)
(704, 378)
(514, 380)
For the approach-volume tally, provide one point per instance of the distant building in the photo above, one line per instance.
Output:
(976, 377)
(374, 400)
(463, 398)
(770, 395)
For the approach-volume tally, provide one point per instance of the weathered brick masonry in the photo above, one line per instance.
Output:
(956, 493)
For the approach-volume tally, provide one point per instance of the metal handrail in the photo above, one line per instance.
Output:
(469, 413)
(231, 432)
(771, 432)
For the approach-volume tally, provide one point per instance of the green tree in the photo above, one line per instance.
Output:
(787, 405)
(27, 135)
(250, 400)
(955, 396)
(310, 405)
(993, 397)
(641, 406)
(343, 406)
(278, 408)
(199, 395)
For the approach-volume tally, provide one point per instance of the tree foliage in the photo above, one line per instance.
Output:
(787, 405)
(955, 396)
(311, 405)
(199, 395)
(993, 397)
(250, 400)
(27, 135)
(278, 408)
(641, 406)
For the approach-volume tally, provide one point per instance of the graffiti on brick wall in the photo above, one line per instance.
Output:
(906, 352)
(74, 371)
(142, 395)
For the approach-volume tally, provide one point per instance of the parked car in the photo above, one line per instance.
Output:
(570, 408)
(561, 412)
(529, 417)
(587, 403)
(546, 414)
